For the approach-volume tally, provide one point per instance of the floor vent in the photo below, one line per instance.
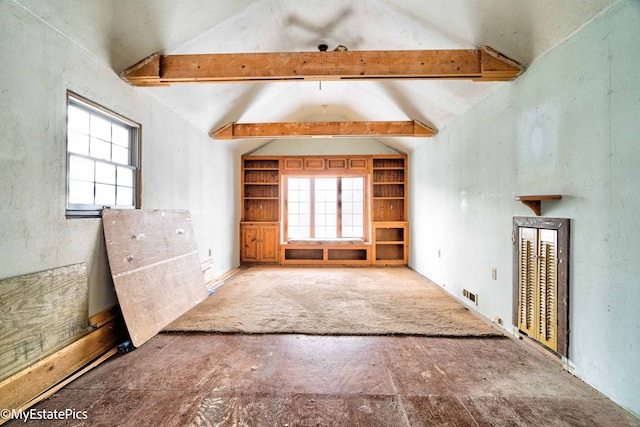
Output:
(473, 297)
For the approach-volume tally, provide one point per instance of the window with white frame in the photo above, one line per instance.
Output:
(102, 159)
(325, 207)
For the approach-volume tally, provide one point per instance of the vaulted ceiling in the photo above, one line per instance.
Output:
(122, 32)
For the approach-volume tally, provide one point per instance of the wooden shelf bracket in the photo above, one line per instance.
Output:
(535, 202)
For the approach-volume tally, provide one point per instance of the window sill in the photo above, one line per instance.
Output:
(337, 241)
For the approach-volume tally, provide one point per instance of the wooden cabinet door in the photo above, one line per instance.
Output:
(250, 237)
(259, 243)
(268, 244)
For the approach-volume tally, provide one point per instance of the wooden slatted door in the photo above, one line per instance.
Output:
(538, 285)
(527, 281)
(548, 288)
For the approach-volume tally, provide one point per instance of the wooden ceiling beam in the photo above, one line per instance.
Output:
(411, 128)
(475, 64)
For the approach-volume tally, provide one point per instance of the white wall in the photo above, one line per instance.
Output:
(181, 167)
(569, 125)
(323, 146)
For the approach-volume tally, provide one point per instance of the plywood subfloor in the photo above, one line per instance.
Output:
(300, 380)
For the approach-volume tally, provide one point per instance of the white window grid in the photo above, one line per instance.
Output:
(102, 159)
(321, 198)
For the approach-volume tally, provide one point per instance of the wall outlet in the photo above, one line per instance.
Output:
(494, 273)
(438, 253)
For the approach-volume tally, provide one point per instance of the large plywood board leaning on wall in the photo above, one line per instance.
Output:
(41, 313)
(155, 267)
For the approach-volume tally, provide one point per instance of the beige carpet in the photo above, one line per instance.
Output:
(332, 301)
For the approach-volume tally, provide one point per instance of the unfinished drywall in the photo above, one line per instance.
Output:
(570, 125)
(181, 167)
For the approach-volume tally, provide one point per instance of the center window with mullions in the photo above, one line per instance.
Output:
(325, 207)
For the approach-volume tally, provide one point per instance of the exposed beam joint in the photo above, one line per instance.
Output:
(471, 64)
(411, 128)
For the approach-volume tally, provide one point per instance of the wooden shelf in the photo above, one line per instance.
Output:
(388, 188)
(534, 202)
(389, 183)
(319, 254)
(390, 243)
(260, 183)
(261, 189)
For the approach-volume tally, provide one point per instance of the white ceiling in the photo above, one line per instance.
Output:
(122, 32)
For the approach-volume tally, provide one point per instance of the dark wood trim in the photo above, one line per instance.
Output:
(562, 225)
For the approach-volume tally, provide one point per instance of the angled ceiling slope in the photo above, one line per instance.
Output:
(119, 33)
(484, 64)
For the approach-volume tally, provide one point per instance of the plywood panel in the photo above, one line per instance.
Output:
(142, 238)
(41, 313)
(155, 267)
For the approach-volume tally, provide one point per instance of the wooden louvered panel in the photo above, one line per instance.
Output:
(538, 285)
(527, 262)
(547, 290)
(541, 252)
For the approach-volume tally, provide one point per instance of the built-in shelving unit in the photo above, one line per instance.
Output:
(389, 188)
(259, 229)
(390, 243)
(261, 189)
(386, 240)
(389, 210)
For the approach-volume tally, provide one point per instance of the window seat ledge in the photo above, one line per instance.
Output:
(340, 241)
